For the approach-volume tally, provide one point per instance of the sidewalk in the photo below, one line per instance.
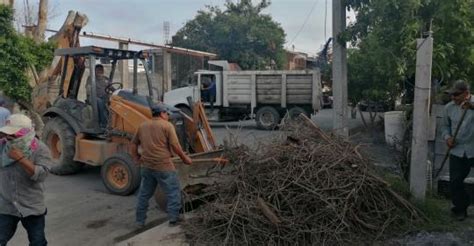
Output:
(162, 235)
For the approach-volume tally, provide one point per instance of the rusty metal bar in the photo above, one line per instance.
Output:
(172, 49)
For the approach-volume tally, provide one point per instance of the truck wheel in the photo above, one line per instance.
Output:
(60, 139)
(294, 112)
(267, 118)
(121, 176)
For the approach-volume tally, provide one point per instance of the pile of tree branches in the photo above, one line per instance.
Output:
(310, 188)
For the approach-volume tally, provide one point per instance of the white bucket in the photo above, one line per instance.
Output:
(394, 128)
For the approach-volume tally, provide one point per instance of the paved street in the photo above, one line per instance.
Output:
(81, 212)
(248, 133)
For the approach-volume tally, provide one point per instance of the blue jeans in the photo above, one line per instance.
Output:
(34, 226)
(169, 183)
(103, 112)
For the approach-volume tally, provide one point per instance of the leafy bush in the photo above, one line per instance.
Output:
(18, 54)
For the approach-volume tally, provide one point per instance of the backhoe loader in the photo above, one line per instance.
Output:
(75, 137)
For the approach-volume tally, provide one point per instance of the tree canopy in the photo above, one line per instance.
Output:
(240, 33)
(18, 54)
(384, 38)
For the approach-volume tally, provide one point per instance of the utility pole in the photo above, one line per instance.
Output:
(42, 21)
(123, 67)
(419, 145)
(339, 70)
(167, 71)
(325, 18)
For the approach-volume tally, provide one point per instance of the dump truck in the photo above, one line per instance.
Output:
(73, 133)
(265, 96)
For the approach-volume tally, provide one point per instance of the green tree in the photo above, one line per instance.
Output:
(18, 53)
(240, 33)
(385, 39)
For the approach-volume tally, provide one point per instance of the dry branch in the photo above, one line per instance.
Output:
(267, 211)
(319, 190)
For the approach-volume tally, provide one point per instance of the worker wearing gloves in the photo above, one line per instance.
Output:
(24, 161)
(157, 139)
(461, 146)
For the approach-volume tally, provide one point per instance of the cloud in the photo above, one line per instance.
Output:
(143, 20)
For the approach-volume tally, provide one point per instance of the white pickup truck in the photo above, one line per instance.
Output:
(264, 95)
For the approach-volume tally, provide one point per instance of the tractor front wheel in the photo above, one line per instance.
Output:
(121, 176)
(60, 139)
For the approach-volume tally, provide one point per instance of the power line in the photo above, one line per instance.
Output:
(305, 21)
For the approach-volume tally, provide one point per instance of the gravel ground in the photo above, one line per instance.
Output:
(384, 156)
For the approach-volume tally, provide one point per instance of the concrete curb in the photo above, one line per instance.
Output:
(163, 235)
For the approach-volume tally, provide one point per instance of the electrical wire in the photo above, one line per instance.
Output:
(305, 21)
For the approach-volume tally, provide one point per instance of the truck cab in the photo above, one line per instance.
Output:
(266, 95)
(197, 91)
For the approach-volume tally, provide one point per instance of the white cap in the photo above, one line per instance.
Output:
(16, 122)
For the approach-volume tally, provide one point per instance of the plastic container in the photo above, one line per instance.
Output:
(394, 122)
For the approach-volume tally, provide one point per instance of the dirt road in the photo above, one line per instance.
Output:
(82, 212)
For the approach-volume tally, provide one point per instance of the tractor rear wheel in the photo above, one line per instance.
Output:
(61, 140)
(121, 176)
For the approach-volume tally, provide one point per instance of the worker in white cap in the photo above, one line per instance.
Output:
(24, 162)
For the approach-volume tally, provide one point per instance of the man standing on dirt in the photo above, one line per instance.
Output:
(461, 157)
(101, 83)
(157, 139)
(24, 160)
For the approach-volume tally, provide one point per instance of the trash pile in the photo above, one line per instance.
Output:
(308, 189)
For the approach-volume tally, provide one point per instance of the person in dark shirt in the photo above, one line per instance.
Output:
(209, 92)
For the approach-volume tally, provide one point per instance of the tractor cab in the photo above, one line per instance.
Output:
(88, 106)
(93, 119)
(77, 133)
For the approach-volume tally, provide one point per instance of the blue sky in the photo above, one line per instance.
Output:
(302, 20)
